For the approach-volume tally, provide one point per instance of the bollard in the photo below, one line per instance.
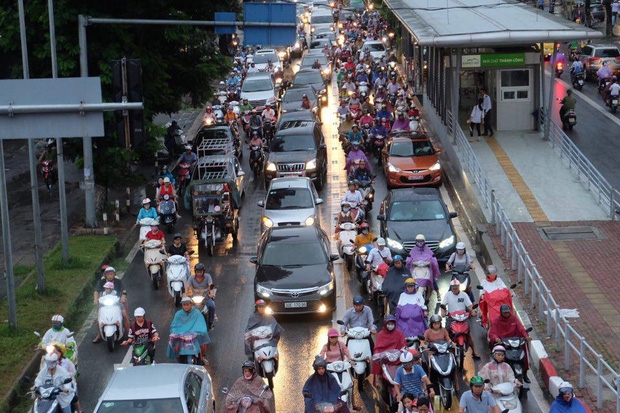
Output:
(128, 193)
(117, 211)
(105, 223)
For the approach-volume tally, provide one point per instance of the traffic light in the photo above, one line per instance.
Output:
(127, 83)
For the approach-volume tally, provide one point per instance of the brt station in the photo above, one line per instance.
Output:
(453, 48)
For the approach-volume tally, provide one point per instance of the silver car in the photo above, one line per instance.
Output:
(158, 388)
(290, 201)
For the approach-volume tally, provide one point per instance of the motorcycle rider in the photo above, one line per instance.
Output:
(57, 332)
(245, 105)
(411, 295)
(209, 117)
(256, 122)
(109, 275)
(49, 153)
(613, 91)
(164, 172)
(384, 113)
(492, 282)
(60, 350)
(457, 300)
(508, 325)
(142, 331)
(260, 318)
(394, 282)
(346, 124)
(355, 135)
(362, 173)
(343, 109)
(251, 385)
(55, 374)
(378, 255)
(421, 252)
(378, 129)
(477, 400)
(268, 114)
(365, 236)
(436, 332)
(321, 387)
(576, 68)
(411, 377)
(566, 402)
(156, 234)
(359, 315)
(177, 247)
(355, 152)
(354, 100)
(461, 262)
(354, 197)
(202, 281)
(189, 319)
(401, 122)
(568, 103)
(497, 371)
(146, 211)
(345, 215)
(305, 102)
(366, 118)
(169, 140)
(389, 338)
(603, 74)
(414, 404)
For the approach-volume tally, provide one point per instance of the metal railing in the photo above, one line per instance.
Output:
(559, 329)
(602, 191)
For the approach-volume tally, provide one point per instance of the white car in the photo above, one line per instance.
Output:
(376, 48)
(258, 88)
(262, 57)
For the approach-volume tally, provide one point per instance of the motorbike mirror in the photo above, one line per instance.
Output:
(442, 306)
(334, 257)
(36, 333)
(487, 381)
(513, 286)
(342, 393)
(381, 217)
(190, 252)
(480, 287)
(307, 395)
(529, 329)
(261, 203)
(211, 286)
(68, 380)
(162, 252)
(254, 260)
(474, 306)
(351, 241)
(340, 322)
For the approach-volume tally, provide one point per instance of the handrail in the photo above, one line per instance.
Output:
(540, 298)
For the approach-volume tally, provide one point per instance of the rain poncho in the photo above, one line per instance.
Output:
(394, 284)
(254, 388)
(354, 155)
(401, 124)
(387, 340)
(423, 254)
(410, 320)
(573, 406)
(323, 389)
(185, 323)
(604, 72)
(57, 379)
(259, 320)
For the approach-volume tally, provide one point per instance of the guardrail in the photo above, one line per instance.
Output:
(566, 338)
(602, 191)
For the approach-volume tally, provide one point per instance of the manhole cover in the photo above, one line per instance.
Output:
(570, 233)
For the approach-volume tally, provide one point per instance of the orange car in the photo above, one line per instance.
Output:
(411, 161)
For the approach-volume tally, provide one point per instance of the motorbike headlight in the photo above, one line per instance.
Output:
(262, 291)
(297, 45)
(108, 302)
(393, 244)
(198, 299)
(510, 404)
(435, 167)
(392, 168)
(282, 54)
(447, 242)
(271, 167)
(267, 222)
(362, 250)
(326, 71)
(309, 221)
(278, 81)
(326, 288)
(311, 164)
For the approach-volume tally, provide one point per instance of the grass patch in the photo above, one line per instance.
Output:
(68, 293)
(21, 270)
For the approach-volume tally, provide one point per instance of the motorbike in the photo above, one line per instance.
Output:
(257, 159)
(515, 355)
(459, 331)
(154, 261)
(363, 88)
(368, 192)
(265, 353)
(269, 129)
(45, 398)
(378, 142)
(422, 276)
(176, 277)
(442, 370)
(612, 103)
(341, 370)
(168, 212)
(245, 121)
(145, 227)
(49, 174)
(374, 286)
(389, 361)
(186, 348)
(491, 301)
(356, 112)
(249, 404)
(578, 79)
(71, 352)
(507, 397)
(359, 346)
(361, 253)
(559, 69)
(110, 320)
(602, 84)
(569, 120)
(346, 239)
(200, 297)
(183, 177)
(140, 354)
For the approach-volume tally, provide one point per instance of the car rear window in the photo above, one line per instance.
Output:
(374, 47)
(129, 406)
(265, 58)
(607, 52)
(289, 198)
(322, 19)
(256, 85)
(305, 78)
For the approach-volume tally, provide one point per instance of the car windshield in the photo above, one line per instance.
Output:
(291, 143)
(309, 61)
(306, 78)
(288, 253)
(319, 43)
(430, 210)
(375, 47)
(289, 198)
(295, 95)
(213, 134)
(411, 148)
(260, 58)
(128, 406)
(607, 52)
(322, 19)
(256, 85)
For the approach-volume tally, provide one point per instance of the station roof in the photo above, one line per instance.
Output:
(478, 23)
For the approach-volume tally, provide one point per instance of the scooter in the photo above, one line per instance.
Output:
(139, 354)
(200, 298)
(153, 260)
(378, 142)
(168, 213)
(256, 159)
(389, 361)
(559, 69)
(612, 103)
(346, 239)
(578, 79)
(507, 397)
(176, 277)
(145, 227)
(363, 88)
(569, 120)
(183, 177)
(361, 253)
(374, 287)
(341, 370)
(459, 330)
(265, 353)
(186, 348)
(250, 404)
(368, 192)
(465, 280)
(110, 320)
(359, 347)
(45, 398)
(49, 174)
(422, 276)
(442, 370)
(515, 355)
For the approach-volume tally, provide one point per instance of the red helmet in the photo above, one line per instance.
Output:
(364, 225)
(382, 269)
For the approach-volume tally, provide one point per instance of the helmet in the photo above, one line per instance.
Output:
(569, 92)
(476, 381)
(186, 299)
(382, 269)
(498, 349)
(199, 267)
(455, 283)
(166, 180)
(420, 237)
(304, 96)
(380, 241)
(406, 357)
(415, 353)
(139, 312)
(460, 245)
(58, 319)
(109, 284)
(209, 107)
(146, 201)
(390, 318)
(177, 235)
(319, 362)
(614, 78)
(398, 258)
(358, 300)
(248, 365)
(188, 147)
(504, 308)
(260, 303)
(51, 360)
(365, 225)
(435, 318)
(565, 387)
(332, 332)
(109, 269)
(354, 181)
(410, 281)
(345, 204)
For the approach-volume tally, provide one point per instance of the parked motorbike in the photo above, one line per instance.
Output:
(145, 227)
(110, 320)
(183, 177)
(442, 370)
(176, 277)
(49, 174)
(45, 398)
(265, 353)
(389, 361)
(168, 213)
(341, 370)
(154, 261)
(346, 239)
(257, 159)
(359, 346)
(507, 397)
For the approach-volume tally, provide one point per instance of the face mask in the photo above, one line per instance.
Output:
(247, 375)
(364, 231)
(420, 244)
(346, 209)
(57, 327)
(390, 326)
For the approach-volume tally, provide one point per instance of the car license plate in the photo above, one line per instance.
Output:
(415, 178)
(296, 304)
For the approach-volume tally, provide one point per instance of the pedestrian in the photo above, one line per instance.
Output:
(541, 4)
(475, 119)
(486, 106)
(615, 8)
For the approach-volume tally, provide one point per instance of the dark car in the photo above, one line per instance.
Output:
(291, 101)
(298, 149)
(310, 77)
(405, 213)
(294, 270)
(297, 116)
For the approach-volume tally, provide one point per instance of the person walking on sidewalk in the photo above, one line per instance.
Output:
(486, 106)
(541, 4)
(475, 119)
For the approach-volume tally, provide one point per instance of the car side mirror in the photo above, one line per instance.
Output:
(261, 203)
(529, 329)
(480, 287)
(318, 201)
(340, 322)
(438, 150)
(322, 146)
(254, 260)
(334, 257)
(453, 215)
(381, 217)
(241, 173)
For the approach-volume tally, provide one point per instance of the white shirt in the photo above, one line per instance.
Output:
(268, 114)
(376, 256)
(61, 336)
(353, 197)
(577, 63)
(486, 103)
(415, 299)
(476, 115)
(614, 89)
(253, 69)
(456, 302)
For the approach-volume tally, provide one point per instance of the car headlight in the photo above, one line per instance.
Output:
(447, 242)
(393, 244)
(267, 222)
(262, 291)
(271, 167)
(311, 164)
(309, 221)
(326, 288)
(392, 168)
(435, 167)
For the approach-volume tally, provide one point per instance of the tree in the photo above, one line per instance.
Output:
(608, 18)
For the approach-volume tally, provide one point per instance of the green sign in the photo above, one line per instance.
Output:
(494, 60)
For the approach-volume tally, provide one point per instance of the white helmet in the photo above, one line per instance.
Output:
(139, 312)
(406, 357)
(565, 387)
(420, 237)
(146, 201)
(460, 245)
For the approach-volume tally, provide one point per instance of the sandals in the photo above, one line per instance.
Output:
(97, 340)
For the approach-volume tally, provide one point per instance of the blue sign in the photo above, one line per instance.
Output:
(283, 34)
(225, 17)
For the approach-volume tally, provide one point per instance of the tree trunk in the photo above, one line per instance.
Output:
(586, 12)
(608, 18)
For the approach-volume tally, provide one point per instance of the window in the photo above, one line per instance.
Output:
(193, 384)
(515, 85)
(515, 78)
